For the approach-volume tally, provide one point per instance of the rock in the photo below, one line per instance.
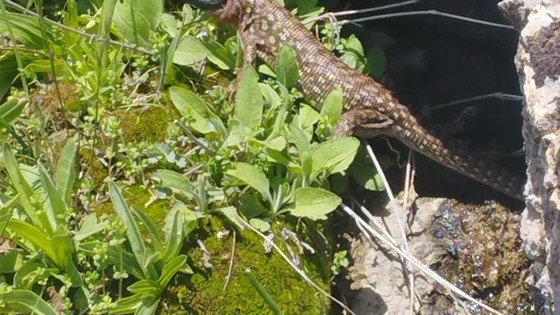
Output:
(475, 247)
(538, 64)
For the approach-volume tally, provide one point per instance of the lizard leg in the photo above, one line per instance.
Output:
(364, 123)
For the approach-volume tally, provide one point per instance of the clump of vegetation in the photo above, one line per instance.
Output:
(126, 168)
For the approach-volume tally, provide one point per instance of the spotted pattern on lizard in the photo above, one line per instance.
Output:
(371, 109)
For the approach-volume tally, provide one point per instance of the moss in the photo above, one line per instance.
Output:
(148, 125)
(203, 292)
(138, 196)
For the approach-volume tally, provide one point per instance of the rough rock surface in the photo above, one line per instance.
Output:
(538, 64)
(377, 273)
(475, 247)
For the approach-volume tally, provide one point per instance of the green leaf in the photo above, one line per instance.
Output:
(171, 268)
(11, 109)
(314, 202)
(24, 301)
(174, 232)
(11, 262)
(90, 227)
(264, 293)
(253, 177)
(55, 206)
(136, 19)
(146, 287)
(365, 173)
(249, 101)
(177, 182)
(308, 116)
(35, 237)
(334, 155)
(26, 28)
(332, 106)
(8, 71)
(233, 216)
(220, 55)
(189, 51)
(6, 212)
(21, 185)
(190, 104)
(377, 62)
(132, 232)
(128, 304)
(286, 68)
(151, 228)
(66, 170)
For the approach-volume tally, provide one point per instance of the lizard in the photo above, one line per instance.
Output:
(370, 108)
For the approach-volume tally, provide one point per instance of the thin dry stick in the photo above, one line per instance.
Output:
(228, 276)
(400, 213)
(426, 12)
(297, 269)
(407, 181)
(352, 12)
(498, 95)
(367, 229)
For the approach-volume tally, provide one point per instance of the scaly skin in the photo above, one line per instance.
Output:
(265, 26)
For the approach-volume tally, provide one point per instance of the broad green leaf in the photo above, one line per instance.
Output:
(63, 248)
(66, 170)
(301, 140)
(249, 101)
(334, 155)
(260, 224)
(24, 301)
(151, 228)
(11, 109)
(21, 185)
(26, 28)
(190, 104)
(220, 55)
(132, 232)
(90, 227)
(189, 51)
(8, 71)
(308, 116)
(270, 95)
(314, 202)
(277, 144)
(287, 71)
(145, 287)
(332, 106)
(233, 216)
(377, 62)
(136, 19)
(45, 66)
(176, 182)
(365, 173)
(354, 53)
(11, 262)
(170, 268)
(6, 212)
(34, 236)
(174, 232)
(253, 177)
(128, 304)
(148, 307)
(250, 206)
(55, 207)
